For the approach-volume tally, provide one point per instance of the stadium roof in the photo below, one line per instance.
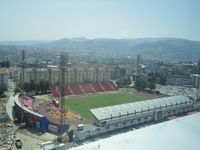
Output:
(115, 111)
(179, 134)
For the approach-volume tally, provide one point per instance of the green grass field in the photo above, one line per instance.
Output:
(81, 105)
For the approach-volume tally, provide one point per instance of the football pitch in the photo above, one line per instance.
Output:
(82, 105)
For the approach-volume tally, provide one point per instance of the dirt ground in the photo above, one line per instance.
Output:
(45, 106)
(146, 95)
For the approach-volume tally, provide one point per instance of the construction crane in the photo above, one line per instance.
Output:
(63, 73)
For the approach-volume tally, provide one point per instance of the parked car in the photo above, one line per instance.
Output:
(18, 143)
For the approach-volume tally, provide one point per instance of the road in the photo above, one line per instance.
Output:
(29, 143)
(9, 105)
(30, 140)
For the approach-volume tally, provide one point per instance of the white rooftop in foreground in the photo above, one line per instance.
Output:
(179, 134)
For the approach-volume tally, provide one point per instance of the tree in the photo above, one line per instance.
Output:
(26, 87)
(3, 88)
(70, 135)
(151, 78)
(39, 88)
(162, 78)
(44, 86)
(151, 85)
(17, 90)
(33, 85)
(123, 81)
(141, 83)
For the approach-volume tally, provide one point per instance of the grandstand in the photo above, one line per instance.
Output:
(77, 89)
(24, 112)
(111, 118)
(142, 111)
(98, 87)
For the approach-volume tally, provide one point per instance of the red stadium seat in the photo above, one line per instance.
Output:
(98, 87)
(76, 89)
(87, 88)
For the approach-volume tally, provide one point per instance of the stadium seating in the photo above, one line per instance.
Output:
(68, 90)
(76, 89)
(97, 87)
(92, 88)
(107, 86)
(26, 101)
(86, 87)
(55, 91)
(115, 88)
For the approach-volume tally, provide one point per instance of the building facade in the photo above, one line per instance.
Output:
(179, 80)
(72, 75)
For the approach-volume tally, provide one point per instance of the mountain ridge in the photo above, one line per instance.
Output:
(159, 48)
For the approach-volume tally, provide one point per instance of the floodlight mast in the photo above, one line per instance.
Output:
(23, 66)
(63, 74)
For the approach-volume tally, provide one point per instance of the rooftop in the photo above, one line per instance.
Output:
(106, 113)
(179, 134)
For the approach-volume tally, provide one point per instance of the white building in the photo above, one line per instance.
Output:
(115, 117)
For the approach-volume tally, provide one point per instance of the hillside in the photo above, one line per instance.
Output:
(155, 48)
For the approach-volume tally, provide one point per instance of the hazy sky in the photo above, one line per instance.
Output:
(55, 19)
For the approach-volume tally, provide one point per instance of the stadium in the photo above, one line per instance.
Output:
(44, 113)
(96, 108)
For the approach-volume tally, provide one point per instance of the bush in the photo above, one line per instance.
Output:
(123, 81)
(70, 135)
(141, 83)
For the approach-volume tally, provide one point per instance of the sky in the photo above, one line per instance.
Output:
(57, 19)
